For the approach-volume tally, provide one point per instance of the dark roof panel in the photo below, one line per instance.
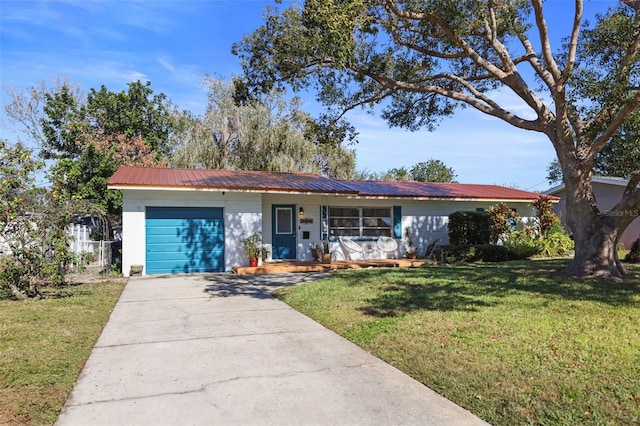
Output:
(240, 180)
(438, 190)
(226, 179)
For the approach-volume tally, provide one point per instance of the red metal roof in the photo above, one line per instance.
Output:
(136, 177)
(226, 180)
(438, 190)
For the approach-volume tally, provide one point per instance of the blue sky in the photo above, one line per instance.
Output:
(174, 43)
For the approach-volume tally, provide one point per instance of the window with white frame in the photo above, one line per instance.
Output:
(358, 222)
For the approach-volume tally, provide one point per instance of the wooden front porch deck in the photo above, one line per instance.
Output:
(279, 267)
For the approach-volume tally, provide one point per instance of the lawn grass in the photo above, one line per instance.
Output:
(45, 343)
(516, 343)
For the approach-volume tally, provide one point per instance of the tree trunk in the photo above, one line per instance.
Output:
(17, 293)
(596, 254)
(595, 234)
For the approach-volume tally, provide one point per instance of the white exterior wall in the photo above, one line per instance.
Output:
(242, 217)
(426, 219)
(246, 213)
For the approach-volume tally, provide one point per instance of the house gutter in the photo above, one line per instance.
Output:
(243, 190)
(323, 193)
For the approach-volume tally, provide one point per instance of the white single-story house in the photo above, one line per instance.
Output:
(192, 220)
(608, 192)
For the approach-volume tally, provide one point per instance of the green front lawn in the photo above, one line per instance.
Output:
(44, 345)
(515, 343)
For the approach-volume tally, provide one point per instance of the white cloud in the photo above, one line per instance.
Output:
(113, 71)
(362, 118)
(165, 62)
(185, 73)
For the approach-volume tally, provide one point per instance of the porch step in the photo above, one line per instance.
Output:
(305, 266)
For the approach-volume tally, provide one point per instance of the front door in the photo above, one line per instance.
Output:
(284, 232)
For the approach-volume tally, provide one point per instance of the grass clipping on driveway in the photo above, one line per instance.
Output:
(45, 343)
(515, 343)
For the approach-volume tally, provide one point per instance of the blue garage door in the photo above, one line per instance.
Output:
(183, 240)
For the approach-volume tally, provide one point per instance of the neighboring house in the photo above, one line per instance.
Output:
(184, 220)
(608, 192)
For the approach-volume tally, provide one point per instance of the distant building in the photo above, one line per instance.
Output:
(608, 192)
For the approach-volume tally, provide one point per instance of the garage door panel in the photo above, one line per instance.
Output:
(182, 258)
(163, 226)
(181, 268)
(184, 223)
(156, 238)
(184, 240)
(169, 252)
(181, 213)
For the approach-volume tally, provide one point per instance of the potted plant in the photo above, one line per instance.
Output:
(264, 253)
(316, 251)
(411, 249)
(326, 254)
(252, 247)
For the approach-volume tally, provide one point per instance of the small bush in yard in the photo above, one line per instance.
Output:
(547, 239)
(493, 253)
(501, 219)
(476, 253)
(469, 228)
(634, 253)
(553, 238)
(459, 253)
(556, 242)
(547, 219)
(523, 244)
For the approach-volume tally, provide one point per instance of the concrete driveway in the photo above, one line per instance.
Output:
(218, 349)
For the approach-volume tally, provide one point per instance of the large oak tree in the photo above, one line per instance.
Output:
(420, 60)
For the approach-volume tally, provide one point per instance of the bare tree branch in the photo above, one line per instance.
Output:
(573, 43)
(552, 66)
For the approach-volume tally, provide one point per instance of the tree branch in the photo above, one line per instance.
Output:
(633, 183)
(544, 40)
(573, 43)
(511, 78)
(479, 100)
(437, 20)
(602, 139)
(427, 52)
(623, 74)
(533, 60)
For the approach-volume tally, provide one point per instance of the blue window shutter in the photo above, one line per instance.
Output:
(397, 221)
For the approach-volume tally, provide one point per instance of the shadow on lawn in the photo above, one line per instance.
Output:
(471, 287)
(399, 299)
(257, 286)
